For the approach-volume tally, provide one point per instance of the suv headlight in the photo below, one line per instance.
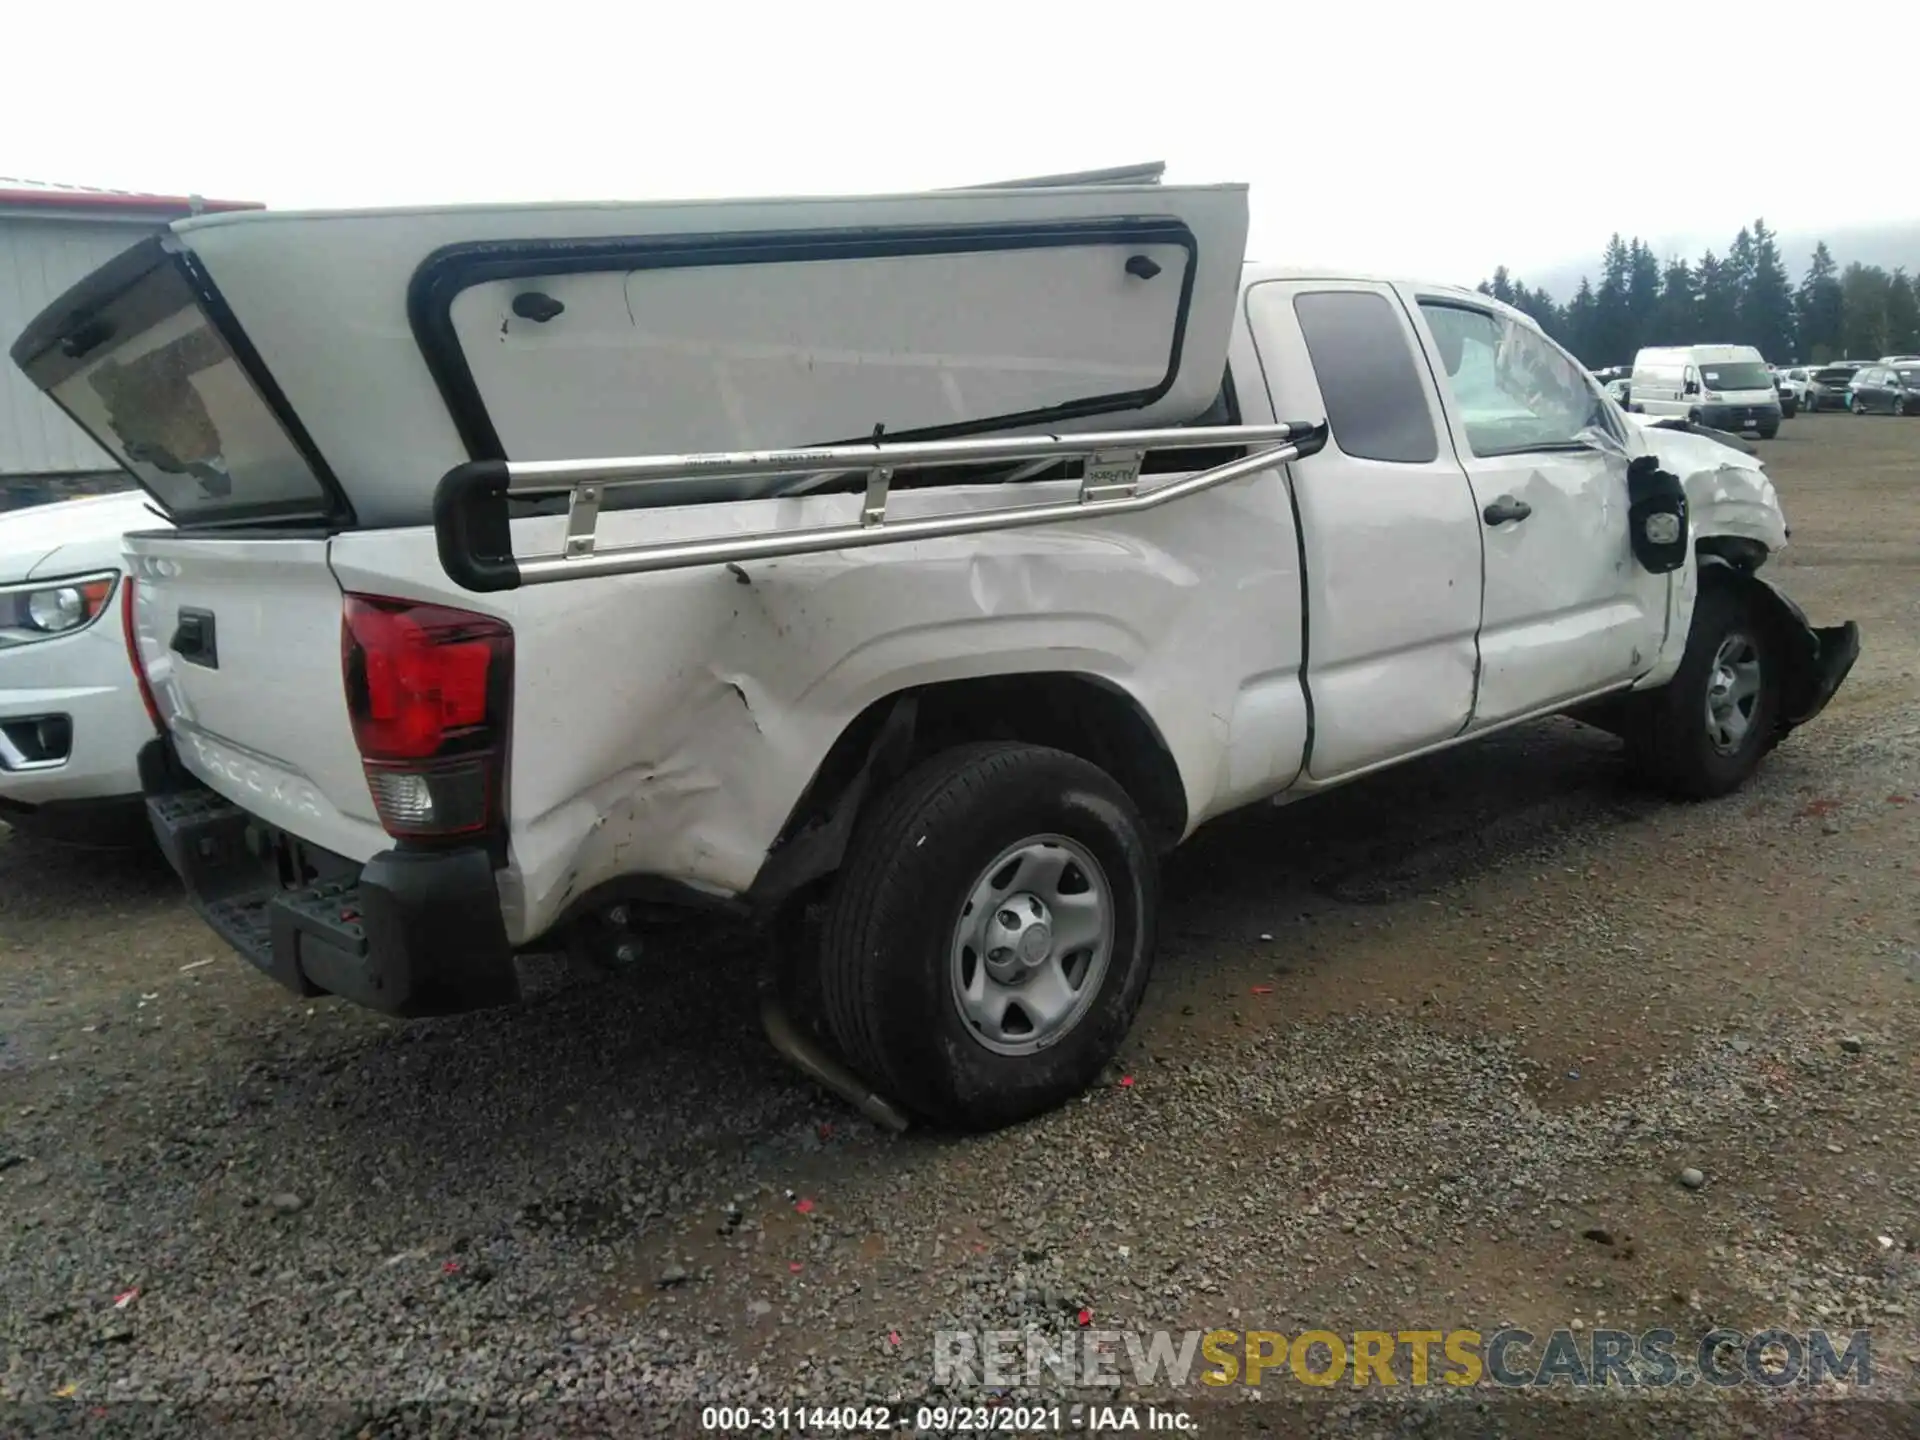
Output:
(42, 609)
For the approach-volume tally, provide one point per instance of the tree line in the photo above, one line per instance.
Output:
(1744, 297)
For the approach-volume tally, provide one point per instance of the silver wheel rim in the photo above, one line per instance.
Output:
(1733, 691)
(1031, 944)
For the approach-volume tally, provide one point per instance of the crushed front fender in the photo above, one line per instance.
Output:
(1818, 659)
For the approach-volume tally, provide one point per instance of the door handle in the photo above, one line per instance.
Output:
(1504, 509)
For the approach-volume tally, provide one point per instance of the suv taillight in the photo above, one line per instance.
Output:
(429, 689)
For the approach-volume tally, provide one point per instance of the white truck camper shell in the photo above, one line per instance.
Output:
(402, 343)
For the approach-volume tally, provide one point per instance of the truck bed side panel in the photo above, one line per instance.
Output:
(667, 724)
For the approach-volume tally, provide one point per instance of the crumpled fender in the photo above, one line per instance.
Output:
(1729, 493)
(1818, 660)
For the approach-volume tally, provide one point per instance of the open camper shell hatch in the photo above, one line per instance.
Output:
(325, 370)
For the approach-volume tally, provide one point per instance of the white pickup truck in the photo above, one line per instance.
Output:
(910, 570)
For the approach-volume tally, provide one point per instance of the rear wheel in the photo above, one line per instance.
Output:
(1706, 730)
(989, 938)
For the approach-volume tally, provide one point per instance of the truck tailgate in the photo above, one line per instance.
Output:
(240, 639)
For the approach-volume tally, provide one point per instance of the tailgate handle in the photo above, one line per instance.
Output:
(193, 638)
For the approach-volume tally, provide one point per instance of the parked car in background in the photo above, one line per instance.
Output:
(71, 718)
(1886, 389)
(1793, 381)
(1724, 387)
(1900, 359)
(1827, 385)
(1789, 399)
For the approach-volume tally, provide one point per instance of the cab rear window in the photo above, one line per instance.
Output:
(150, 378)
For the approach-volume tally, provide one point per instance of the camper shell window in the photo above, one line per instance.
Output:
(136, 358)
(547, 349)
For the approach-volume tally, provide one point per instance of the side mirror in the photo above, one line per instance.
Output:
(1692, 387)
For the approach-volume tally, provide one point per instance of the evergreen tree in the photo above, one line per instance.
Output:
(1643, 298)
(1546, 314)
(1738, 268)
(1903, 314)
(1719, 312)
(1863, 312)
(1579, 335)
(1678, 320)
(1766, 300)
(1743, 298)
(1817, 308)
(1610, 335)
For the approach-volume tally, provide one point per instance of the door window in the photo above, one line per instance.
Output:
(1376, 403)
(1515, 390)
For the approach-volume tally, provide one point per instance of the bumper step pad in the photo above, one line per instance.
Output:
(310, 940)
(408, 933)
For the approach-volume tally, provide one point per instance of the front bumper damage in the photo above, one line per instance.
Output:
(1818, 659)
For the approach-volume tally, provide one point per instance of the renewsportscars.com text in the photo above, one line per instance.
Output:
(1509, 1358)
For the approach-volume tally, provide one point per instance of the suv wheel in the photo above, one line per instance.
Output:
(989, 938)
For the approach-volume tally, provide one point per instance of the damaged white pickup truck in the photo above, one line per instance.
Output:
(911, 571)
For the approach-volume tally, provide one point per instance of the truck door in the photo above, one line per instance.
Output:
(1567, 610)
(1389, 530)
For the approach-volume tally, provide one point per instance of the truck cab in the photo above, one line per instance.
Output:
(907, 572)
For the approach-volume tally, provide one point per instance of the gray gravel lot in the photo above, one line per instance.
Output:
(1430, 1052)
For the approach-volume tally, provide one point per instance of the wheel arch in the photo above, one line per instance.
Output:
(1814, 661)
(1082, 714)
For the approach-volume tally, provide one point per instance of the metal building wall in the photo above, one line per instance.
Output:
(39, 259)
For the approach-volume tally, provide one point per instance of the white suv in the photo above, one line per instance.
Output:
(71, 718)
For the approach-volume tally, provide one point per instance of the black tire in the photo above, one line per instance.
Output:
(1669, 741)
(885, 952)
(1769, 434)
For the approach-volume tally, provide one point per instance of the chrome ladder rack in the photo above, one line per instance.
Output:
(470, 510)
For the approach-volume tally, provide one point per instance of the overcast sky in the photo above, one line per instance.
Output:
(1432, 139)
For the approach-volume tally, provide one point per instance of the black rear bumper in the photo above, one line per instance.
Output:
(410, 933)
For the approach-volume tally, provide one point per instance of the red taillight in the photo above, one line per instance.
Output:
(428, 688)
(133, 653)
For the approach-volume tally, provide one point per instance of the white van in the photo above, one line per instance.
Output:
(1725, 387)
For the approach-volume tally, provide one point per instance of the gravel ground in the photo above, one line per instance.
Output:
(1430, 1052)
